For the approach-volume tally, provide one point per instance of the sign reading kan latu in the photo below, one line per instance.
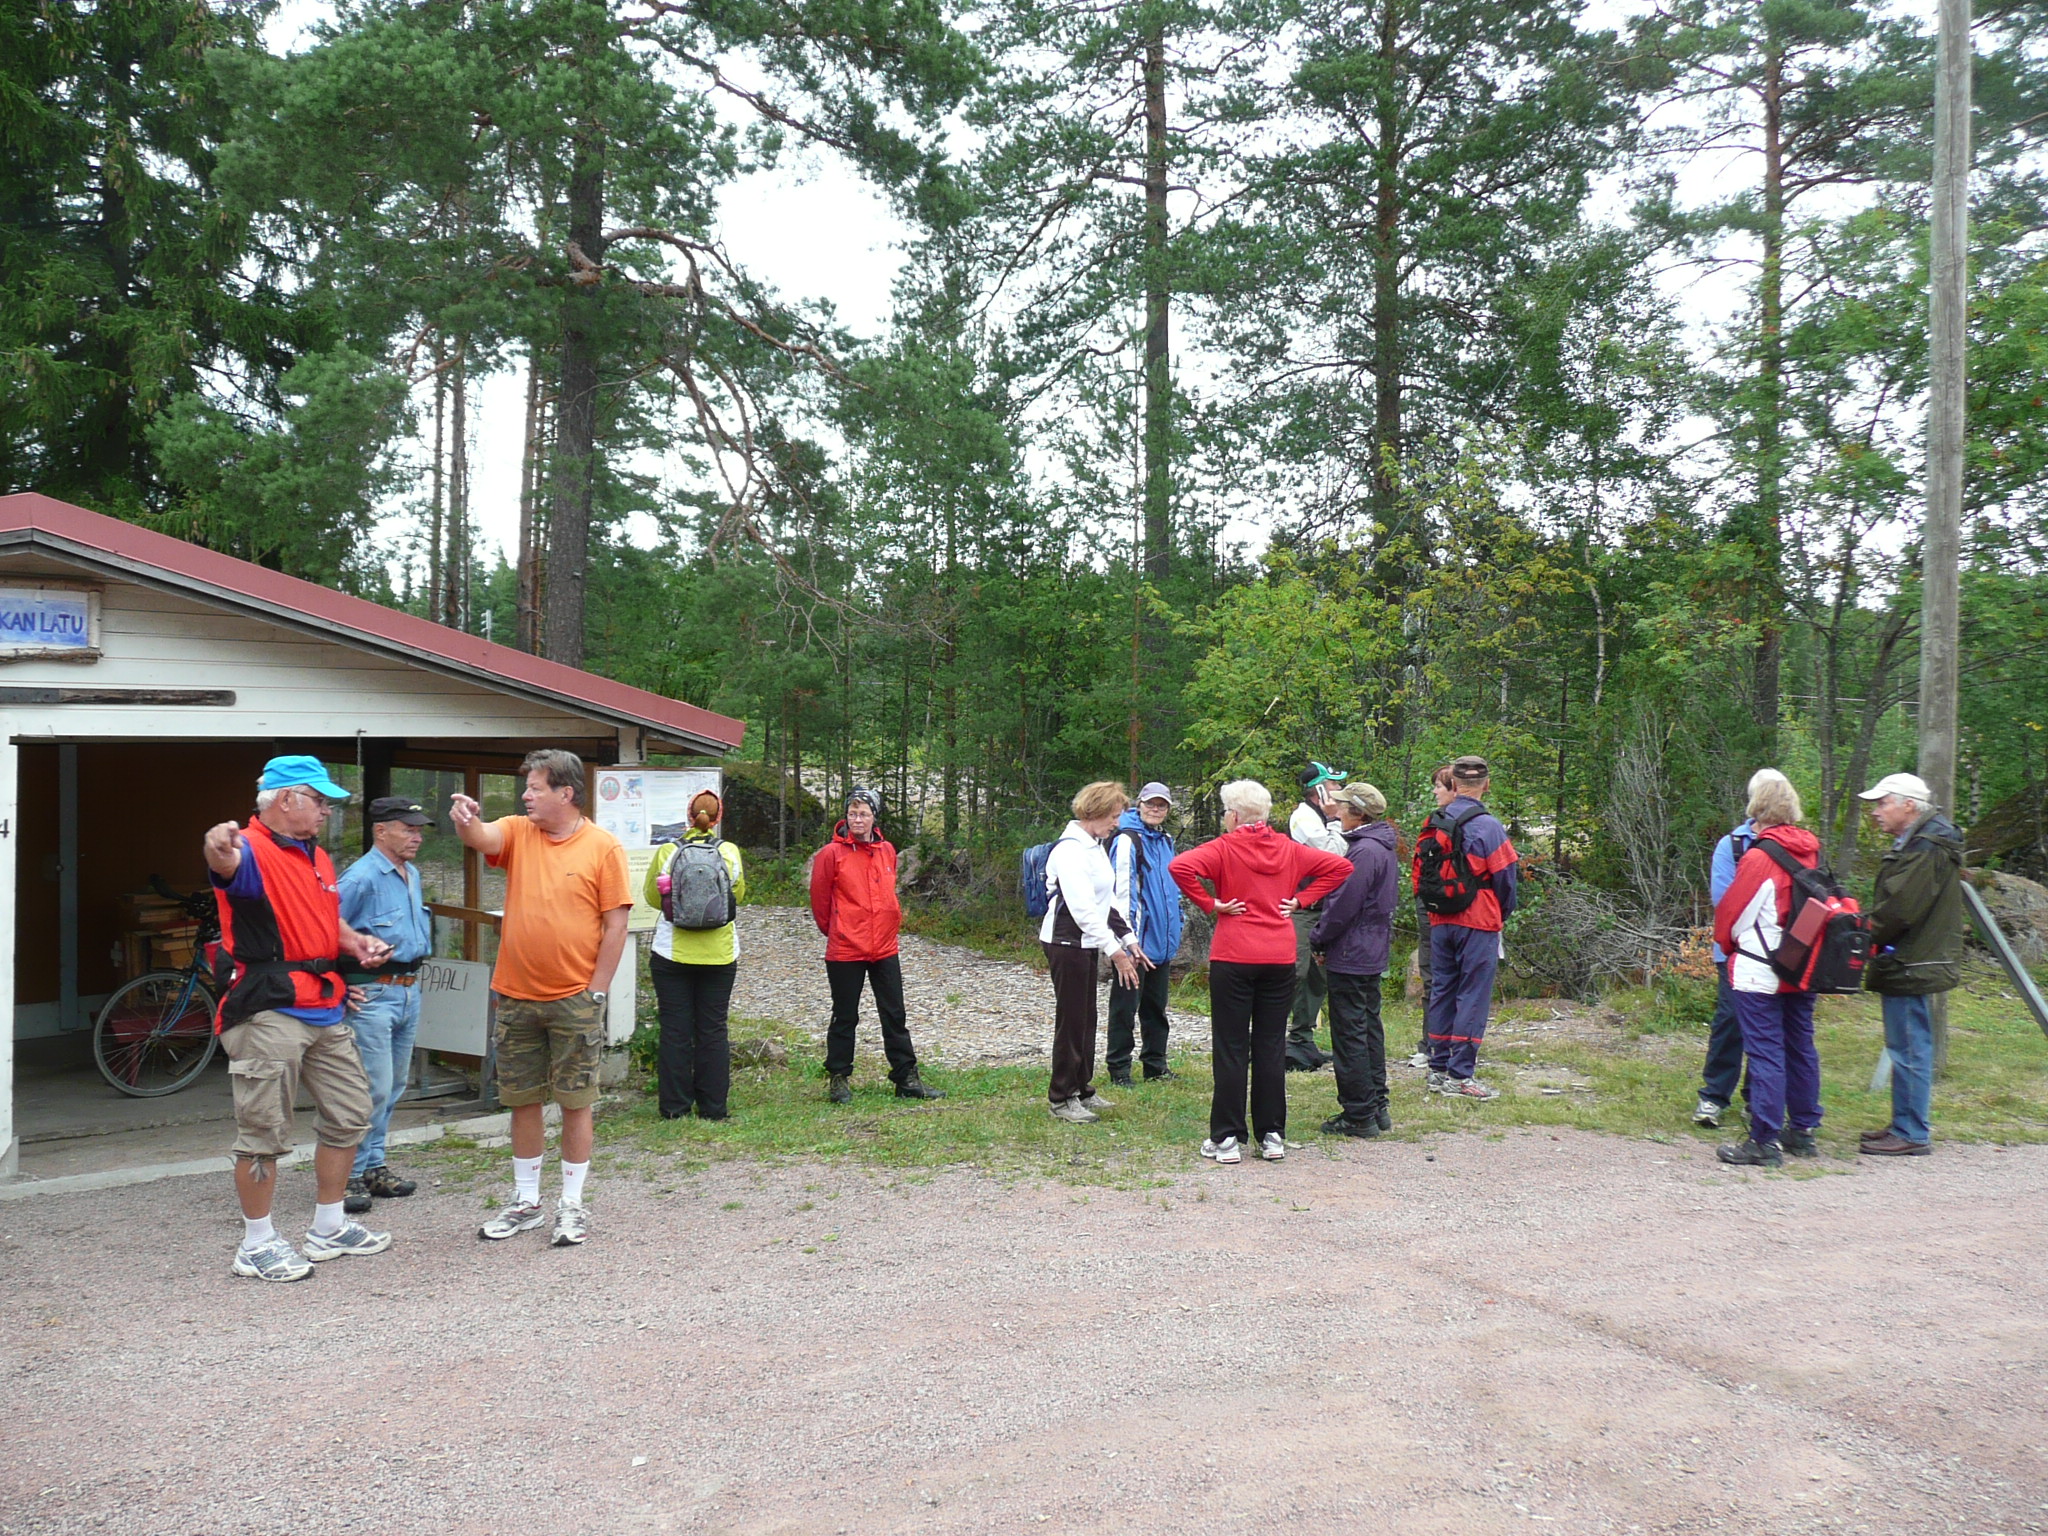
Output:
(41, 619)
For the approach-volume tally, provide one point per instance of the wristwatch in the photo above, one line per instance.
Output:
(597, 997)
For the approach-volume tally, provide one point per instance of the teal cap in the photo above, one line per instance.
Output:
(300, 772)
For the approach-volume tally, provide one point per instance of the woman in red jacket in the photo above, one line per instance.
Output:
(1258, 877)
(1776, 1017)
(853, 902)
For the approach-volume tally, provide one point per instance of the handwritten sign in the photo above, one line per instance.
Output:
(37, 619)
(455, 1006)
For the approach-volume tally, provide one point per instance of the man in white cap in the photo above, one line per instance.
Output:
(1916, 941)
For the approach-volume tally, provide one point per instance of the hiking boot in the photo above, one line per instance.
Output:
(840, 1091)
(1752, 1154)
(356, 1200)
(1434, 1083)
(1119, 1079)
(520, 1216)
(1874, 1135)
(1339, 1125)
(913, 1087)
(272, 1259)
(386, 1185)
(1467, 1088)
(1074, 1113)
(1383, 1120)
(1224, 1151)
(1894, 1146)
(1164, 1074)
(353, 1240)
(1273, 1147)
(1095, 1101)
(1708, 1114)
(1797, 1143)
(572, 1224)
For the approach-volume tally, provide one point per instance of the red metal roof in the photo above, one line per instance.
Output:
(42, 521)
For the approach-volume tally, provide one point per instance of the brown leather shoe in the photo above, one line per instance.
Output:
(1892, 1146)
(1878, 1135)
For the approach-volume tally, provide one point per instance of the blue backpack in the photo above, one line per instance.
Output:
(1031, 879)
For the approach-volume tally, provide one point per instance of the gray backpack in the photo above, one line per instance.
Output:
(699, 887)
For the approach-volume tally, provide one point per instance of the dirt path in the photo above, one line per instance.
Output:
(1471, 1336)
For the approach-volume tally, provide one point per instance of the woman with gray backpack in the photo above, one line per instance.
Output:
(696, 885)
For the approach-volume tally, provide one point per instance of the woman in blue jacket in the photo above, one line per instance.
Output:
(1142, 846)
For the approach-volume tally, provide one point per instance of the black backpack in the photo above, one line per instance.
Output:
(1444, 881)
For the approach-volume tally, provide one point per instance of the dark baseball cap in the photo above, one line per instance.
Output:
(1469, 770)
(397, 808)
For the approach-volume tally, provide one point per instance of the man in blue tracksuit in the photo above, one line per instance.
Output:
(1464, 947)
(1142, 846)
(1724, 1034)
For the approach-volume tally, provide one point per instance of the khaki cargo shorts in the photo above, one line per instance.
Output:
(549, 1050)
(269, 1054)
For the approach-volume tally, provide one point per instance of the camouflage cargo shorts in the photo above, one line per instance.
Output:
(549, 1050)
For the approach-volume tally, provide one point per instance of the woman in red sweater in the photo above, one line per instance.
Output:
(1258, 877)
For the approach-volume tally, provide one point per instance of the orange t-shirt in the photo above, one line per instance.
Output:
(556, 895)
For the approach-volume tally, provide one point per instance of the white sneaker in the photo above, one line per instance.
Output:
(1273, 1147)
(272, 1259)
(1224, 1151)
(1419, 1059)
(1708, 1114)
(1074, 1112)
(520, 1216)
(353, 1238)
(1096, 1101)
(572, 1224)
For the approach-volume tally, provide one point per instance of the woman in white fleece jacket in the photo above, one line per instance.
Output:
(1082, 919)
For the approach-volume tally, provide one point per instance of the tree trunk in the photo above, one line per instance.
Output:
(455, 569)
(574, 493)
(438, 483)
(1385, 447)
(1770, 406)
(1158, 370)
(532, 532)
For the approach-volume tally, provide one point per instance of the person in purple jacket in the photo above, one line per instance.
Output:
(1353, 938)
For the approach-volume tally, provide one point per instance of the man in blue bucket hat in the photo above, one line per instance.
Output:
(280, 920)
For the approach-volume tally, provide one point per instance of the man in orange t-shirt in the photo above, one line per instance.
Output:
(566, 900)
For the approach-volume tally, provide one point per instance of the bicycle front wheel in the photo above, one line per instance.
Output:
(155, 1035)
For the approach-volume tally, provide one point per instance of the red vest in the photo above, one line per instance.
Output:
(296, 920)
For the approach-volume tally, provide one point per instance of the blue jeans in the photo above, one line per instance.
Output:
(1909, 1036)
(1784, 1068)
(384, 1027)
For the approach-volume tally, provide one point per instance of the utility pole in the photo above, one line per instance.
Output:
(1947, 290)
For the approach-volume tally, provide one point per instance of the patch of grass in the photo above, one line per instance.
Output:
(1628, 1067)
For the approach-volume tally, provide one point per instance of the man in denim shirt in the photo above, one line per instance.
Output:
(381, 895)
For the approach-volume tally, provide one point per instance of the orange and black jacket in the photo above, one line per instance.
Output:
(280, 920)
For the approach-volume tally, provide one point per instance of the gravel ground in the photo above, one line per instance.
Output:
(964, 1007)
(1566, 1333)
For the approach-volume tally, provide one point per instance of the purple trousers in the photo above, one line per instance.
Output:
(1462, 962)
(1784, 1068)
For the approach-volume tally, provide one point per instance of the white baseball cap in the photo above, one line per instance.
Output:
(1156, 791)
(1909, 786)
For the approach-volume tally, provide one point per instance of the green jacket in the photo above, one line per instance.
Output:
(708, 946)
(1916, 912)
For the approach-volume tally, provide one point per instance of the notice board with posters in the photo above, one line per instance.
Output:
(645, 808)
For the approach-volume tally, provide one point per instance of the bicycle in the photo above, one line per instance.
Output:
(155, 1034)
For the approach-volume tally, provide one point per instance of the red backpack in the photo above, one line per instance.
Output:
(1825, 943)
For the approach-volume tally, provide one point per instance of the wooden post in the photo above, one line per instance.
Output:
(1947, 291)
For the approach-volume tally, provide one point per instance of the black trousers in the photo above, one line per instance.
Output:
(694, 1068)
(1073, 1020)
(1248, 1007)
(1423, 964)
(1311, 990)
(1145, 1007)
(1359, 1042)
(886, 977)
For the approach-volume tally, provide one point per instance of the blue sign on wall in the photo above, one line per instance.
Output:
(49, 620)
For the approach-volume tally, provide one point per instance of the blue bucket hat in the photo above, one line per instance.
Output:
(300, 773)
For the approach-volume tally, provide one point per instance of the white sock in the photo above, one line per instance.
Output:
(526, 1179)
(327, 1219)
(256, 1231)
(572, 1182)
